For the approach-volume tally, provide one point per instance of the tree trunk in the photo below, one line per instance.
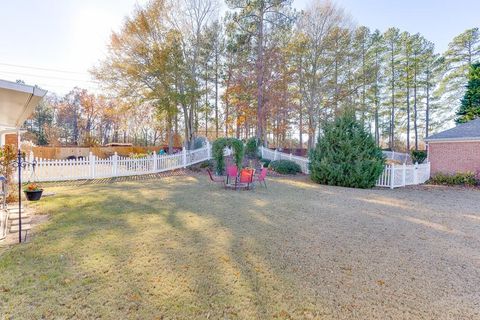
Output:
(216, 94)
(176, 123)
(364, 76)
(170, 135)
(311, 131)
(301, 127)
(427, 110)
(392, 111)
(415, 113)
(206, 100)
(260, 68)
(408, 107)
(377, 99)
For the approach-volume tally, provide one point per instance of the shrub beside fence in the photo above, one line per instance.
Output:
(276, 155)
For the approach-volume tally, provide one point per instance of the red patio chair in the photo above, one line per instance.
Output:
(261, 177)
(232, 173)
(215, 179)
(246, 178)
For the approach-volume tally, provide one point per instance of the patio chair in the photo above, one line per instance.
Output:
(215, 179)
(246, 178)
(232, 174)
(261, 177)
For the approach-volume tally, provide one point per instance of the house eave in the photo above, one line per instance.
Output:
(463, 139)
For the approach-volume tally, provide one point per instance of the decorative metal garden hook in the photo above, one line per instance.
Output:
(20, 164)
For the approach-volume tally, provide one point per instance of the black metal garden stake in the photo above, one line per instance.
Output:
(19, 164)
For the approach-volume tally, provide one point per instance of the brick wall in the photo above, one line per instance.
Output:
(451, 157)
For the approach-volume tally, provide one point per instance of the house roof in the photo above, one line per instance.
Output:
(17, 102)
(465, 131)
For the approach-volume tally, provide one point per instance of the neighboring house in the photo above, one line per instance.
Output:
(17, 103)
(456, 149)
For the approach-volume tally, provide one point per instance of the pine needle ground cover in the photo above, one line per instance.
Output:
(181, 248)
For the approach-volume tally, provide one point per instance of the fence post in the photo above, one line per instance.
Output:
(290, 156)
(275, 155)
(115, 164)
(415, 174)
(209, 150)
(261, 150)
(184, 157)
(91, 159)
(31, 158)
(392, 176)
(155, 165)
(404, 175)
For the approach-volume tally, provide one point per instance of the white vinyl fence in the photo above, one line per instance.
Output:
(276, 155)
(93, 167)
(393, 176)
(398, 156)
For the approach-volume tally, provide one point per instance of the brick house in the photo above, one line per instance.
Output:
(456, 149)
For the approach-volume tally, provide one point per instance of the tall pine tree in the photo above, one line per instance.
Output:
(470, 107)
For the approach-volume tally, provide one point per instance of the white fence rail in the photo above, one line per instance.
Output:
(393, 176)
(276, 155)
(398, 156)
(114, 166)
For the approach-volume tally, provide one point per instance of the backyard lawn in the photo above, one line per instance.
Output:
(183, 248)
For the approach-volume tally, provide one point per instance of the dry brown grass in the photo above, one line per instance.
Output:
(181, 248)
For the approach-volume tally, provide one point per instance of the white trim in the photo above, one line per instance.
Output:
(20, 101)
(13, 130)
(472, 139)
(9, 85)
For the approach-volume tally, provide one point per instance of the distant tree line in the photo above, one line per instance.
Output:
(176, 68)
(81, 118)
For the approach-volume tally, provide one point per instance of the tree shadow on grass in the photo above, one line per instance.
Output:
(175, 247)
(179, 248)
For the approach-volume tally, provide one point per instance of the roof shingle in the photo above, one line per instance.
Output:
(465, 131)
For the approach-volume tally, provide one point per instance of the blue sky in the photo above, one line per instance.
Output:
(437, 20)
(71, 35)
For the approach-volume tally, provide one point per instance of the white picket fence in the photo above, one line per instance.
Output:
(93, 167)
(276, 155)
(393, 176)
